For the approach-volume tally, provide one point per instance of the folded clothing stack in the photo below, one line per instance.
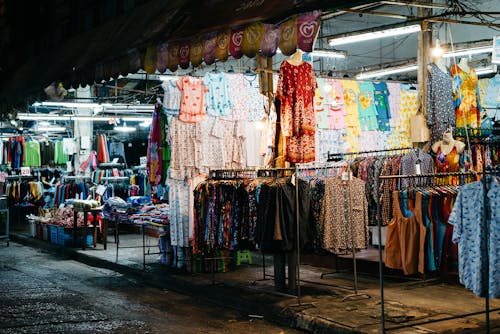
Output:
(152, 214)
(116, 209)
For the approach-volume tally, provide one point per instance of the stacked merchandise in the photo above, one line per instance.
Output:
(116, 209)
(148, 214)
(70, 190)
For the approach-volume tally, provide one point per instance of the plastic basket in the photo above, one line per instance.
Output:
(53, 233)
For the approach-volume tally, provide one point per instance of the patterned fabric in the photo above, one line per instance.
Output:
(171, 98)
(193, 107)
(409, 164)
(466, 97)
(329, 141)
(179, 213)
(366, 107)
(381, 98)
(440, 112)
(298, 122)
(217, 96)
(492, 96)
(184, 149)
(408, 108)
(255, 99)
(340, 235)
(240, 96)
(155, 155)
(351, 91)
(394, 102)
(470, 234)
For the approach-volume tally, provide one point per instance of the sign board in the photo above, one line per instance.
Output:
(495, 56)
(25, 171)
(100, 190)
(143, 161)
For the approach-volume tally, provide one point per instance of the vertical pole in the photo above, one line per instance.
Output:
(380, 258)
(486, 270)
(297, 218)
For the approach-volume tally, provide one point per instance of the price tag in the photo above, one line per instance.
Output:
(115, 160)
(25, 171)
(418, 171)
(100, 190)
(346, 176)
(293, 179)
(143, 161)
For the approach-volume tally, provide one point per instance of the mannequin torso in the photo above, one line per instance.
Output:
(296, 58)
(447, 144)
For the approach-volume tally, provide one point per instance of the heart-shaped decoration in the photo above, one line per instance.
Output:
(237, 38)
(307, 29)
(253, 36)
(222, 42)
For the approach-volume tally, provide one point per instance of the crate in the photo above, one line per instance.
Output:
(65, 237)
(53, 233)
(39, 231)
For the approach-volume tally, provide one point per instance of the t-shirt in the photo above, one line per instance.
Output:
(193, 108)
(217, 95)
(171, 98)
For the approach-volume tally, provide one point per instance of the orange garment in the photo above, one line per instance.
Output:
(445, 164)
(405, 241)
(466, 97)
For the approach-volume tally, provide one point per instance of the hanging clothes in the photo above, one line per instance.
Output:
(340, 235)
(466, 97)
(154, 157)
(469, 221)
(440, 112)
(296, 87)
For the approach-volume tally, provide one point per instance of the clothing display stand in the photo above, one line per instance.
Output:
(381, 263)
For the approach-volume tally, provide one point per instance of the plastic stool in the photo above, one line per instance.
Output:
(243, 255)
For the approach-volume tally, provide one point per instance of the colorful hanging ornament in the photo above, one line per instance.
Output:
(307, 30)
(162, 57)
(150, 60)
(271, 39)
(288, 41)
(196, 51)
(209, 45)
(173, 56)
(252, 36)
(235, 42)
(221, 51)
(184, 54)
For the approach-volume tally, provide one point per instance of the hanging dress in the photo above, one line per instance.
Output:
(155, 155)
(466, 97)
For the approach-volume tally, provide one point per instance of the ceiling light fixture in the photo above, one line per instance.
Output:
(360, 37)
(468, 52)
(50, 129)
(329, 54)
(36, 117)
(72, 104)
(135, 119)
(387, 71)
(124, 128)
(437, 50)
(486, 70)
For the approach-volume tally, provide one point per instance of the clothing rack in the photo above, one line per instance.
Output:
(333, 156)
(76, 177)
(379, 226)
(106, 165)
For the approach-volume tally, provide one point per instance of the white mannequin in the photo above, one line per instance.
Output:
(440, 63)
(448, 143)
(296, 58)
(464, 64)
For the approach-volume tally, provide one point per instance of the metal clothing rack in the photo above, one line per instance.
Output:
(339, 156)
(485, 217)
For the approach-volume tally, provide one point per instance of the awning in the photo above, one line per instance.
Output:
(157, 21)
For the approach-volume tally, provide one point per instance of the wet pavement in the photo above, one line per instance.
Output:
(43, 293)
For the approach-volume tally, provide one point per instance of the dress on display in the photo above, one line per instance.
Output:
(440, 112)
(466, 97)
(296, 87)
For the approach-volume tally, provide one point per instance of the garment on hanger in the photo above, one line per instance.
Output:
(466, 97)
(440, 112)
(470, 233)
(381, 97)
(171, 97)
(193, 107)
(217, 96)
(32, 154)
(155, 151)
(296, 87)
(416, 162)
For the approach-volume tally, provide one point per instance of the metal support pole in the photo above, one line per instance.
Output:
(380, 258)
(486, 270)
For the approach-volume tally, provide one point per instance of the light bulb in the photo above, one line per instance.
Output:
(437, 51)
(327, 88)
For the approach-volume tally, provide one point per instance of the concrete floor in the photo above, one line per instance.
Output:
(42, 293)
(326, 304)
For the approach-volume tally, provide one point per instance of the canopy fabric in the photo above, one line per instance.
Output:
(155, 22)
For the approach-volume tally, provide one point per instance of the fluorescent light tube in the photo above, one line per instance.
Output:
(34, 117)
(387, 71)
(73, 104)
(486, 70)
(135, 119)
(374, 35)
(329, 54)
(50, 129)
(125, 128)
(89, 118)
(468, 52)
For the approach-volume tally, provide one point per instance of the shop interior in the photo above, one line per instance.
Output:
(328, 153)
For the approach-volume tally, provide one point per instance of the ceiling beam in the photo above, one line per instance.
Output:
(391, 15)
(414, 3)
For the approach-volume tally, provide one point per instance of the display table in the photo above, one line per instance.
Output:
(94, 212)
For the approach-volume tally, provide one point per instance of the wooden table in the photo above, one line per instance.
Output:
(94, 212)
